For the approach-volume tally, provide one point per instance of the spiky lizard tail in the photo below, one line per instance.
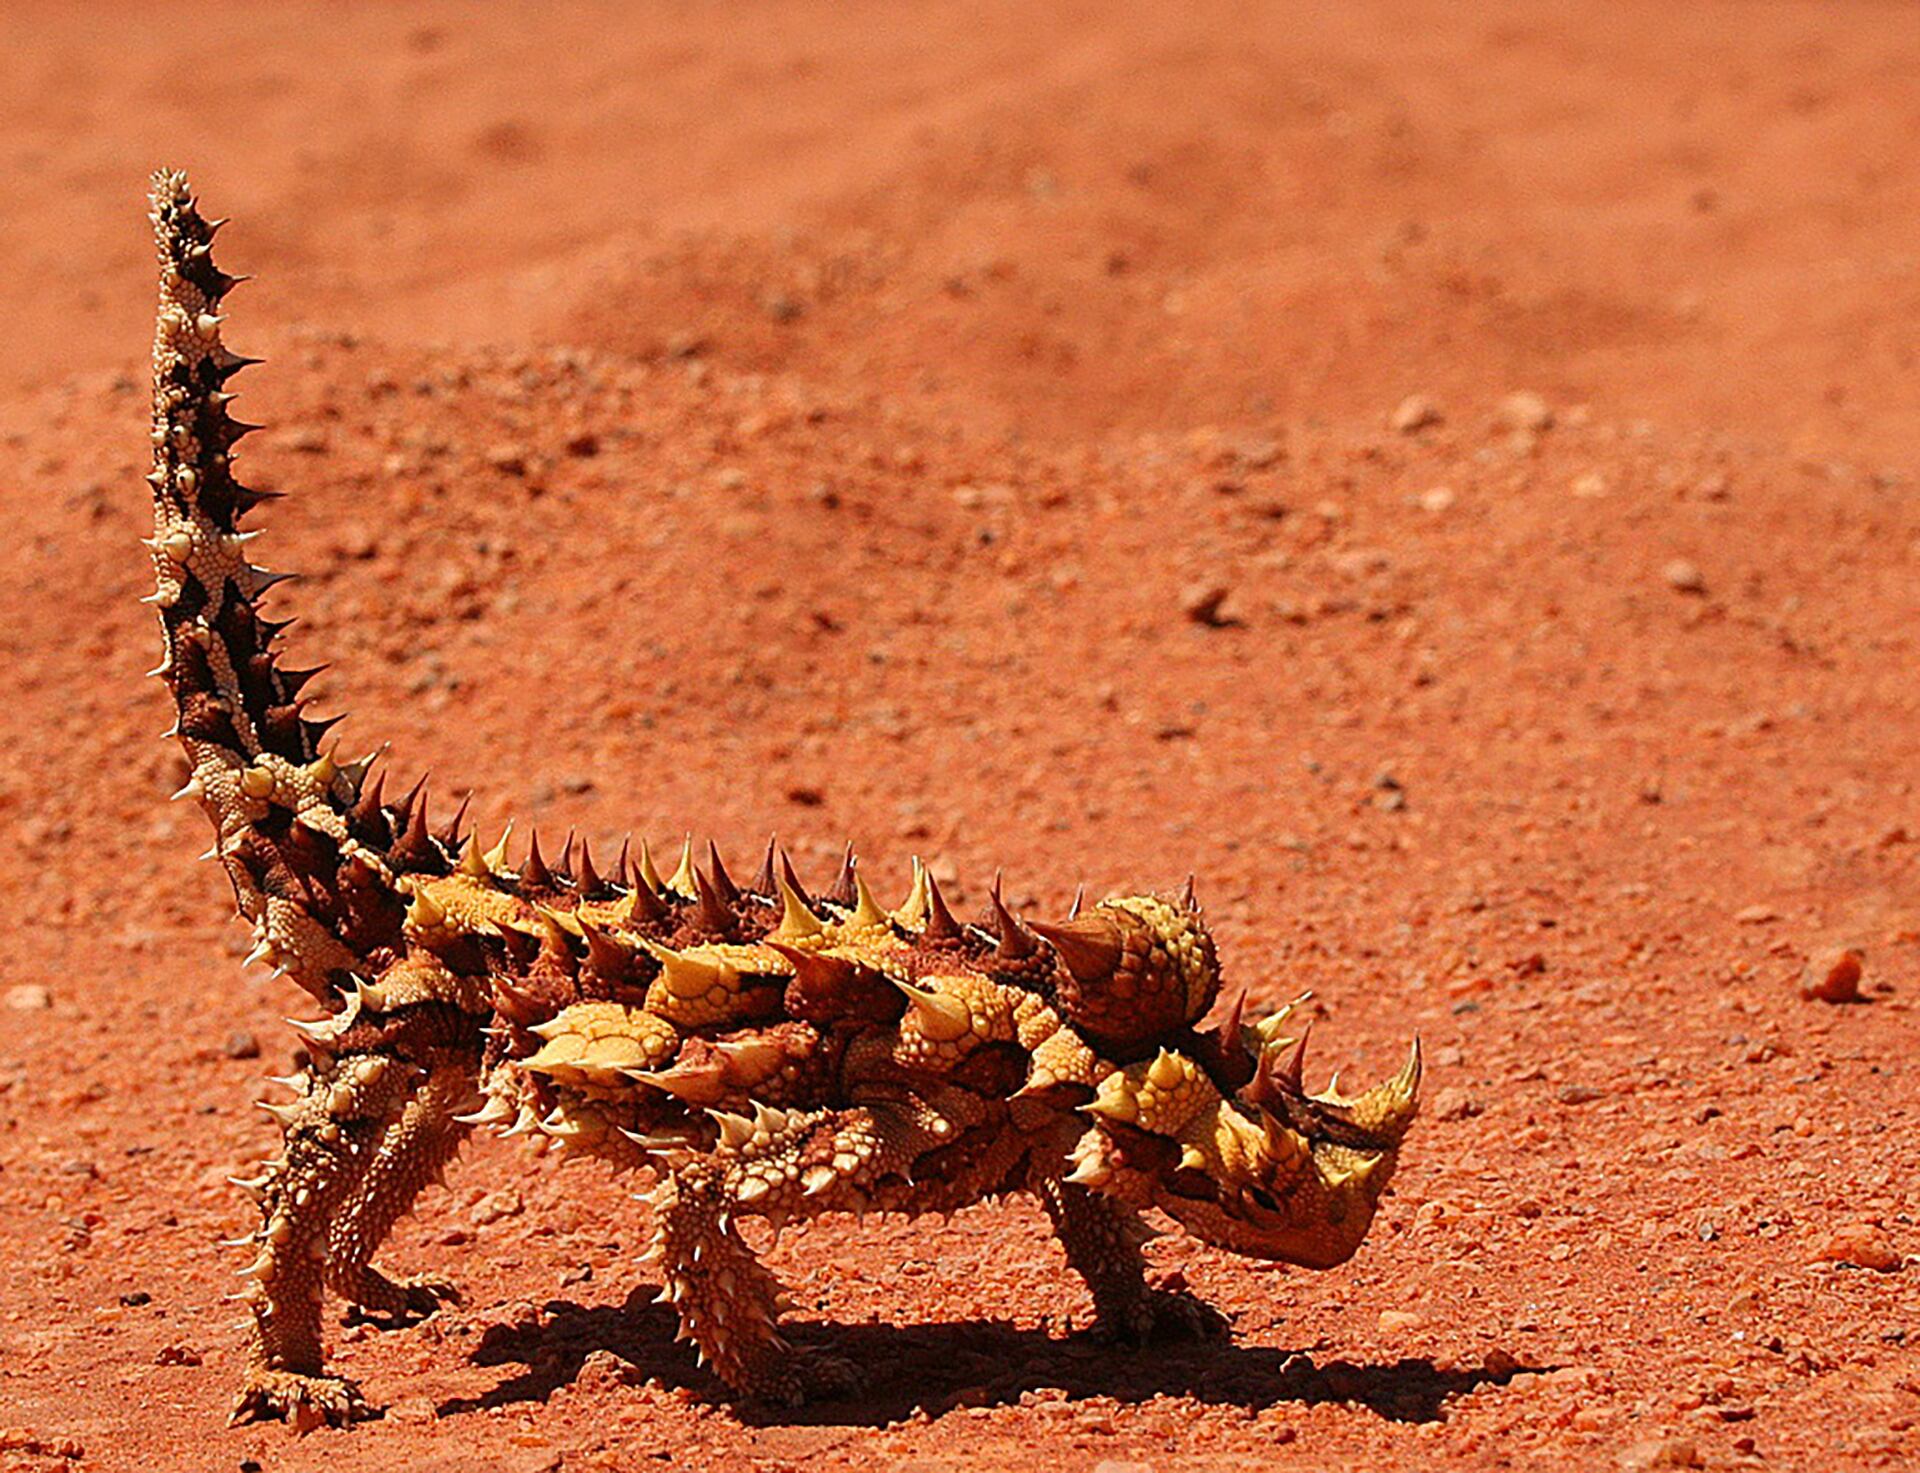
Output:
(307, 852)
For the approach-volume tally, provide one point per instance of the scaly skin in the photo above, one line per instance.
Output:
(764, 1052)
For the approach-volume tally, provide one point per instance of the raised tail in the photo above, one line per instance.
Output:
(312, 856)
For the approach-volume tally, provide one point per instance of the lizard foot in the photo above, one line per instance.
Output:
(413, 1299)
(806, 1375)
(1161, 1315)
(306, 1402)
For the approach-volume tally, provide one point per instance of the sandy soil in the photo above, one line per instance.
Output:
(832, 419)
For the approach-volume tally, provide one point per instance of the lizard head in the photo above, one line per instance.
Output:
(1270, 1170)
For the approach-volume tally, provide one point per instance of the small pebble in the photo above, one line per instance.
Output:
(1861, 1245)
(496, 1205)
(28, 997)
(509, 460)
(241, 1044)
(1413, 414)
(1525, 411)
(1833, 976)
(356, 540)
(1204, 603)
(1453, 1103)
(1668, 1452)
(1684, 577)
(782, 308)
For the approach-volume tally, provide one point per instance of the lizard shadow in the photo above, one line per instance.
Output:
(940, 1367)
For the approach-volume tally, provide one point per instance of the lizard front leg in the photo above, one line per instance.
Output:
(331, 1138)
(726, 1299)
(412, 1154)
(778, 1165)
(1103, 1239)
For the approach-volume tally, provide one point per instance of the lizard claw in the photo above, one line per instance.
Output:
(1161, 1315)
(305, 1402)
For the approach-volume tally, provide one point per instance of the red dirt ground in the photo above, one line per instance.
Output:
(823, 417)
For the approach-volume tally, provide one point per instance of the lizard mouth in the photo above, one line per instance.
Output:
(1315, 1218)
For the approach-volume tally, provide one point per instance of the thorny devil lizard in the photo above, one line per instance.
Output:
(764, 1052)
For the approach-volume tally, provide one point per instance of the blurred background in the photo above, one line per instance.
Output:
(1052, 219)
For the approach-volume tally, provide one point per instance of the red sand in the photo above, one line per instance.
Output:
(821, 418)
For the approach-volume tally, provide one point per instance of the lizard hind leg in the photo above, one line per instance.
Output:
(330, 1137)
(413, 1153)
